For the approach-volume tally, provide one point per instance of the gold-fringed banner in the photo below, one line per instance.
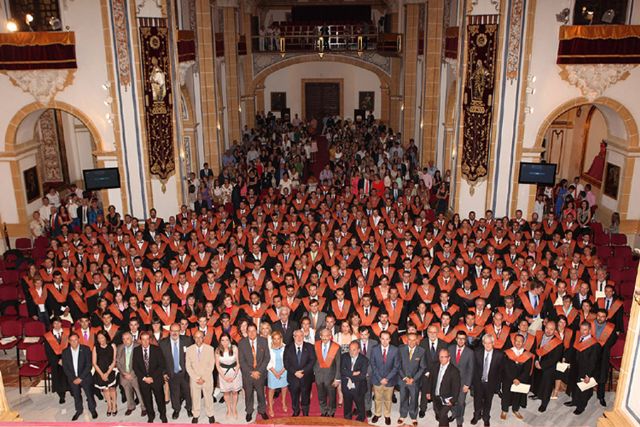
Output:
(478, 100)
(158, 108)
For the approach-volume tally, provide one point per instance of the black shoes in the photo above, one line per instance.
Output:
(387, 421)
(451, 418)
(194, 421)
(62, 400)
(542, 408)
(368, 414)
(163, 420)
(76, 416)
(94, 414)
(175, 415)
(189, 414)
(394, 399)
(474, 421)
(578, 411)
(570, 403)
(248, 418)
(264, 416)
(375, 419)
(421, 414)
(296, 413)
(603, 402)
(128, 412)
(212, 420)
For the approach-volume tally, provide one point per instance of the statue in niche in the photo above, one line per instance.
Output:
(596, 170)
(479, 77)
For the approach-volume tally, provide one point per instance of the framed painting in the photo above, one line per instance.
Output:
(31, 184)
(278, 101)
(366, 101)
(612, 180)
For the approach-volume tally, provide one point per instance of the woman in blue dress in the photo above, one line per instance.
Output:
(277, 374)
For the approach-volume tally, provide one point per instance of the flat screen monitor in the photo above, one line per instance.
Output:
(100, 179)
(537, 173)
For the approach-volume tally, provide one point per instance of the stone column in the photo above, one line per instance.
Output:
(248, 100)
(433, 67)
(410, 59)
(206, 67)
(231, 69)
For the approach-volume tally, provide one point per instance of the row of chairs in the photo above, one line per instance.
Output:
(27, 336)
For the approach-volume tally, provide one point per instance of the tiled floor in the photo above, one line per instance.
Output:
(34, 405)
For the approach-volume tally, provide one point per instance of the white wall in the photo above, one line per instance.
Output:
(289, 80)
(552, 90)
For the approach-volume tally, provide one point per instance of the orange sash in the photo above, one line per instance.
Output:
(548, 347)
(609, 328)
(79, 301)
(331, 354)
(59, 296)
(41, 299)
(582, 346)
(56, 346)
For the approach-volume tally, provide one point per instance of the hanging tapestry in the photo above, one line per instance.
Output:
(478, 100)
(158, 107)
(50, 148)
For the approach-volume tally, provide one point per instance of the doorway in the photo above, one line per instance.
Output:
(322, 98)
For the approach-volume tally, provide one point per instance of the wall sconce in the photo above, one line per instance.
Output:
(12, 27)
(106, 85)
(239, 109)
(402, 107)
(321, 46)
(531, 78)
(563, 16)
(530, 90)
(109, 118)
(283, 46)
(528, 110)
(399, 43)
(360, 46)
(28, 19)
(587, 14)
(108, 101)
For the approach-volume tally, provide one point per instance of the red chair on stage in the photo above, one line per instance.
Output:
(35, 365)
(10, 329)
(23, 244)
(618, 239)
(33, 334)
(615, 359)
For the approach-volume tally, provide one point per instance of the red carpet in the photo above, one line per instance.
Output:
(322, 156)
(314, 408)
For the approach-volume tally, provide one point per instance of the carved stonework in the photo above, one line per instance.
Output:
(49, 147)
(119, 13)
(42, 84)
(594, 79)
(140, 4)
(183, 67)
(515, 35)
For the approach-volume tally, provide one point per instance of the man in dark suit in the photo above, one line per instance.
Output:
(384, 364)
(462, 358)
(286, 325)
(432, 346)
(353, 380)
(367, 345)
(83, 213)
(486, 379)
(584, 366)
(253, 352)
(206, 171)
(173, 350)
(149, 366)
(299, 359)
(549, 352)
(76, 363)
(413, 363)
(605, 333)
(443, 387)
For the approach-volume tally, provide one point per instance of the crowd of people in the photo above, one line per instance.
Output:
(361, 284)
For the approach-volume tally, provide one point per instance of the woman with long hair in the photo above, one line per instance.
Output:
(104, 364)
(229, 378)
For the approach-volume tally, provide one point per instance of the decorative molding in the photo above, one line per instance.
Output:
(49, 147)
(594, 79)
(159, 4)
(473, 3)
(515, 35)
(183, 67)
(119, 14)
(262, 61)
(42, 84)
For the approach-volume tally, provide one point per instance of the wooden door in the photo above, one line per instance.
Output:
(322, 99)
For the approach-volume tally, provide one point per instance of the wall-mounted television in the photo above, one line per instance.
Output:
(100, 179)
(537, 173)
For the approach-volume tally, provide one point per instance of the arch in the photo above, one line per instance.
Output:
(620, 122)
(622, 129)
(10, 144)
(258, 80)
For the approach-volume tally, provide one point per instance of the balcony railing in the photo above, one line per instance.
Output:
(382, 43)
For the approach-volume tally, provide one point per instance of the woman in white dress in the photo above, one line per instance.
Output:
(229, 377)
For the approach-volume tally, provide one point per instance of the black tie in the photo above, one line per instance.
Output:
(146, 359)
(299, 355)
(433, 350)
(608, 305)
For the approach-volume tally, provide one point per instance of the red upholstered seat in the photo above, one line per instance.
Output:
(35, 365)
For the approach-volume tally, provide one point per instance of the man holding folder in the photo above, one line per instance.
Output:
(443, 387)
(583, 368)
(516, 380)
